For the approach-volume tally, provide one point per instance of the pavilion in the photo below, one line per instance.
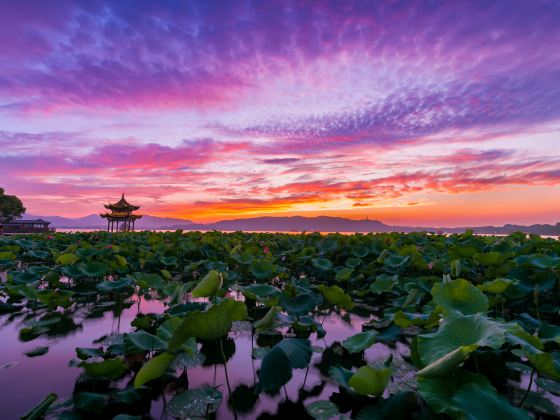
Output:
(121, 214)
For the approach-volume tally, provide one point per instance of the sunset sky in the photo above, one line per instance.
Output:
(441, 113)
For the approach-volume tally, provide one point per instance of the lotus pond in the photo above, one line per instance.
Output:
(253, 325)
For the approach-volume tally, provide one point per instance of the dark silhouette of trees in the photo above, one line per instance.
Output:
(11, 207)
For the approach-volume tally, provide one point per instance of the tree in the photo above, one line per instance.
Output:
(11, 207)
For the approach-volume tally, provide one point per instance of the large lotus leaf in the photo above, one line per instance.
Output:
(194, 403)
(66, 259)
(7, 256)
(359, 342)
(84, 353)
(460, 295)
(545, 261)
(150, 280)
(336, 296)
(360, 251)
(488, 404)
(353, 262)
(208, 285)
(39, 411)
(90, 402)
(266, 321)
(261, 269)
(110, 368)
(94, 269)
(114, 285)
(343, 274)
(210, 324)
(260, 292)
(383, 283)
(549, 333)
(146, 341)
(462, 335)
(496, 286)
(322, 264)
(370, 381)
(544, 362)
(36, 253)
(153, 369)
(277, 364)
(301, 304)
(396, 260)
(165, 331)
(407, 319)
(493, 258)
(466, 395)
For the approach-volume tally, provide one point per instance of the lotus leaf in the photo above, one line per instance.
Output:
(208, 285)
(361, 341)
(460, 295)
(277, 364)
(370, 381)
(213, 323)
(336, 296)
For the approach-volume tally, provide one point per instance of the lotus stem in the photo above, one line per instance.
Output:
(528, 388)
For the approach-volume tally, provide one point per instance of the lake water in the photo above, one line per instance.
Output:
(25, 381)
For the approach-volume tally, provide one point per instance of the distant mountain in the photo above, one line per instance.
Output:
(94, 221)
(299, 223)
(290, 224)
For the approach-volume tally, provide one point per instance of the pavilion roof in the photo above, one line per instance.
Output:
(121, 205)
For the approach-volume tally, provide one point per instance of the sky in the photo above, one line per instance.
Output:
(440, 113)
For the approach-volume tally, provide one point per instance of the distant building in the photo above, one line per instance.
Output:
(25, 226)
(121, 217)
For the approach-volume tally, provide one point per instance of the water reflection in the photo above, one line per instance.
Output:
(26, 380)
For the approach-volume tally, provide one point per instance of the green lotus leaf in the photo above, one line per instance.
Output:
(146, 341)
(90, 402)
(153, 369)
(406, 319)
(456, 339)
(37, 351)
(383, 283)
(336, 296)
(266, 321)
(260, 292)
(360, 251)
(7, 256)
(343, 274)
(396, 260)
(39, 411)
(545, 363)
(545, 261)
(85, 353)
(114, 285)
(490, 258)
(359, 342)
(110, 369)
(322, 264)
(489, 405)
(36, 253)
(549, 333)
(67, 258)
(353, 262)
(194, 403)
(460, 295)
(165, 331)
(213, 323)
(261, 269)
(149, 280)
(94, 269)
(322, 410)
(208, 285)
(370, 381)
(466, 395)
(277, 364)
(496, 286)
(341, 376)
(302, 304)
